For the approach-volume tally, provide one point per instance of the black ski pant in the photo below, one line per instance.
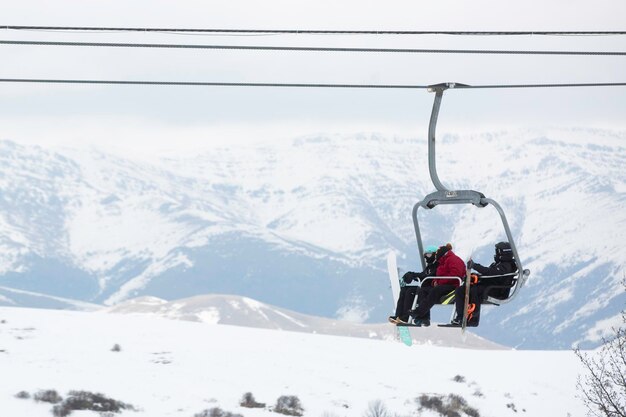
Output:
(475, 297)
(427, 297)
(405, 301)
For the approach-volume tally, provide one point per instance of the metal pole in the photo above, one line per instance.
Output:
(432, 163)
(522, 273)
(418, 236)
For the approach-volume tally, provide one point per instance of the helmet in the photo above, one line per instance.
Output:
(430, 249)
(504, 253)
(429, 254)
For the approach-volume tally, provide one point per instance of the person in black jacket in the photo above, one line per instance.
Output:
(504, 263)
(408, 292)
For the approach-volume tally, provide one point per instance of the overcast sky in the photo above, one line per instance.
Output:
(202, 115)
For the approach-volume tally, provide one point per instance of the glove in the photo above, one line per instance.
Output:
(408, 277)
(470, 264)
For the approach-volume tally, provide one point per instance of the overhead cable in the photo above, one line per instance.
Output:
(314, 31)
(298, 85)
(310, 48)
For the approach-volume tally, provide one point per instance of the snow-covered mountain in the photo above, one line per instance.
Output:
(176, 368)
(14, 297)
(305, 225)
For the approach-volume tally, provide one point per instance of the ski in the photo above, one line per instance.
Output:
(392, 268)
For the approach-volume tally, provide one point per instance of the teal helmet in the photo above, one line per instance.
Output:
(431, 249)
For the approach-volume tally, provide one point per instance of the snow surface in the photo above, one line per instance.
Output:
(178, 368)
(243, 311)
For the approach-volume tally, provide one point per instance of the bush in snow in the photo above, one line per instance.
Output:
(116, 348)
(377, 409)
(289, 405)
(458, 378)
(603, 387)
(249, 401)
(23, 395)
(85, 400)
(48, 396)
(216, 412)
(451, 406)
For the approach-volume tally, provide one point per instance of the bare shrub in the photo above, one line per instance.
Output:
(511, 406)
(603, 388)
(85, 400)
(22, 395)
(459, 378)
(61, 410)
(289, 405)
(451, 406)
(249, 401)
(456, 401)
(216, 412)
(377, 409)
(471, 412)
(48, 396)
(116, 348)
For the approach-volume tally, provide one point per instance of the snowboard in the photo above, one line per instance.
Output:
(468, 275)
(392, 267)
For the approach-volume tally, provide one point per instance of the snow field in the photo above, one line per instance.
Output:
(176, 368)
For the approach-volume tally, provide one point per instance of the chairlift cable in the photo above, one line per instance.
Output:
(299, 85)
(211, 84)
(311, 48)
(314, 31)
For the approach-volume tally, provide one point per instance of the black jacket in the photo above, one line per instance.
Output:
(496, 268)
(429, 271)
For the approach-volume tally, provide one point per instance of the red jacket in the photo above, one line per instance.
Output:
(450, 265)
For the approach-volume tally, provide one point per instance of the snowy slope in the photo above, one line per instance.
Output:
(243, 311)
(12, 297)
(178, 368)
(305, 224)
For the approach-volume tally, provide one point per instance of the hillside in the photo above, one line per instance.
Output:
(243, 311)
(179, 368)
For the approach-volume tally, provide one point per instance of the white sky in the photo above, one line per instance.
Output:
(141, 115)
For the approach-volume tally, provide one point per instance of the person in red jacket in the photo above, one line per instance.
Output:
(450, 265)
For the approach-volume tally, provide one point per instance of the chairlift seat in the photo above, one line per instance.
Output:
(494, 293)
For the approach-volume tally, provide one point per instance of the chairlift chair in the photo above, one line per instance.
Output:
(443, 195)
